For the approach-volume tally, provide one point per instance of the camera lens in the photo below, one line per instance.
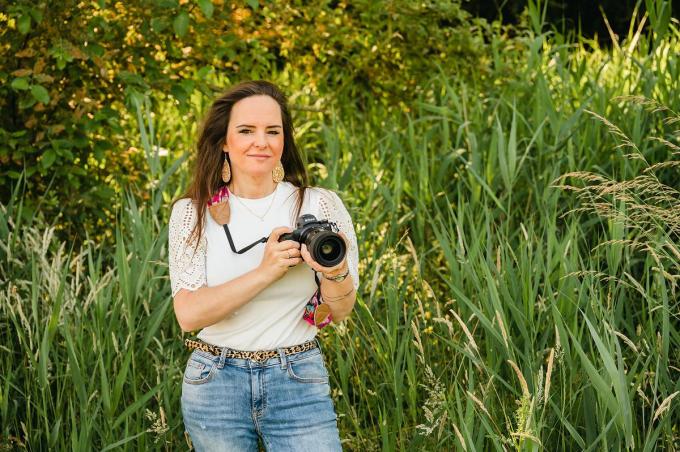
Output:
(326, 247)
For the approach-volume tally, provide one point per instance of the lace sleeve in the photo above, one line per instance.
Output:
(187, 266)
(331, 208)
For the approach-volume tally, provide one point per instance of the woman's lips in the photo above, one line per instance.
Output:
(259, 156)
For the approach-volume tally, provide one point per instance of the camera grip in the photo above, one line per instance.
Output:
(286, 236)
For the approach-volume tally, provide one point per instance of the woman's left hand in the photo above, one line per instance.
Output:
(328, 271)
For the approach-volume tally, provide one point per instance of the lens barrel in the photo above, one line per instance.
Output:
(326, 247)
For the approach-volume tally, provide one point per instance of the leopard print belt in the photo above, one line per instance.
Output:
(259, 355)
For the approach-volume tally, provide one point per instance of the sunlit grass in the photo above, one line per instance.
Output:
(519, 259)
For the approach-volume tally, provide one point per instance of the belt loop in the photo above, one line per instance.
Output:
(318, 345)
(282, 357)
(223, 353)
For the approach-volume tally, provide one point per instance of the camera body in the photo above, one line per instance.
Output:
(325, 245)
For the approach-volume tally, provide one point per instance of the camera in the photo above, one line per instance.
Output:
(324, 244)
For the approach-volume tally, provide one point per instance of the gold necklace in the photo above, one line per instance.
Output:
(261, 218)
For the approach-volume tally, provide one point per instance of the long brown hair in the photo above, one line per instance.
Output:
(209, 157)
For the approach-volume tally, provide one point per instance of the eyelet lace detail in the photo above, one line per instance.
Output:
(331, 208)
(187, 267)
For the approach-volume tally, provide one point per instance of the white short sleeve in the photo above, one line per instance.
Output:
(187, 264)
(331, 208)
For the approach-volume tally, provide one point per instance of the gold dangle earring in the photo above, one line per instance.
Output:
(226, 170)
(278, 173)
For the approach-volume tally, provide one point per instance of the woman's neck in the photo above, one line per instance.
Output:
(250, 187)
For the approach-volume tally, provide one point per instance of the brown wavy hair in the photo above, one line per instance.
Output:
(209, 157)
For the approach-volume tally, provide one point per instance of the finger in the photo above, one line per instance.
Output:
(285, 245)
(289, 254)
(292, 262)
(293, 252)
(344, 237)
(282, 255)
(278, 232)
(307, 257)
(304, 252)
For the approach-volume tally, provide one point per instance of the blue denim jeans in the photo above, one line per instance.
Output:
(228, 402)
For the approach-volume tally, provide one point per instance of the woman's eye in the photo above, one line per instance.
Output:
(246, 131)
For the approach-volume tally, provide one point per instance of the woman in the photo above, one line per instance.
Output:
(256, 372)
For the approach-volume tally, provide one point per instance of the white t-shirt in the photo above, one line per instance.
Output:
(273, 318)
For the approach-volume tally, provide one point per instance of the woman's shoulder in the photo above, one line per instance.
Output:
(183, 210)
(328, 204)
(322, 195)
(321, 191)
(183, 204)
(313, 194)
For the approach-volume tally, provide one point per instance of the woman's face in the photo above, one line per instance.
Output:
(254, 136)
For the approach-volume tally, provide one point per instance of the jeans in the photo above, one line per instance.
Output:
(227, 403)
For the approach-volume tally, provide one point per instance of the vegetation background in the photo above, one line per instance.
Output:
(512, 171)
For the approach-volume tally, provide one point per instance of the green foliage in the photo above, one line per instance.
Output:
(376, 51)
(70, 72)
(519, 244)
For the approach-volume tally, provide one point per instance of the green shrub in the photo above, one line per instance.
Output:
(71, 73)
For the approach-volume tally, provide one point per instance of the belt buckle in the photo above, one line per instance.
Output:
(259, 355)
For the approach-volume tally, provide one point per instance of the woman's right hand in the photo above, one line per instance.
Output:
(279, 256)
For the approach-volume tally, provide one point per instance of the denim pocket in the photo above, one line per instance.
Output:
(308, 369)
(199, 370)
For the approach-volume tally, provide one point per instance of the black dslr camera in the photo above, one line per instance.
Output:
(325, 245)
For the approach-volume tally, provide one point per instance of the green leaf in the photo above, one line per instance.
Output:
(119, 443)
(178, 93)
(48, 158)
(203, 72)
(20, 83)
(136, 405)
(37, 15)
(59, 52)
(94, 49)
(181, 24)
(254, 4)
(26, 102)
(158, 24)
(24, 24)
(40, 94)
(206, 6)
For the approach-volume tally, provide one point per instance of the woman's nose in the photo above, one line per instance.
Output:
(260, 139)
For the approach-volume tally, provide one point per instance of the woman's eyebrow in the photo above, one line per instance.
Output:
(249, 125)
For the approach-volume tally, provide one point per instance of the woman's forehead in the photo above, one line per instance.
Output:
(256, 111)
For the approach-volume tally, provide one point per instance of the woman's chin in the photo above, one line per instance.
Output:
(258, 173)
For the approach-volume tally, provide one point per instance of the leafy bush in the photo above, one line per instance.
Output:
(71, 74)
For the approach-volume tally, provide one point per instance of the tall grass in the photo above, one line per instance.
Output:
(519, 251)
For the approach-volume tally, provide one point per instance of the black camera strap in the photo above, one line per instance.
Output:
(231, 241)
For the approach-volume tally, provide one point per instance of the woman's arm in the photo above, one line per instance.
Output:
(208, 305)
(339, 296)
